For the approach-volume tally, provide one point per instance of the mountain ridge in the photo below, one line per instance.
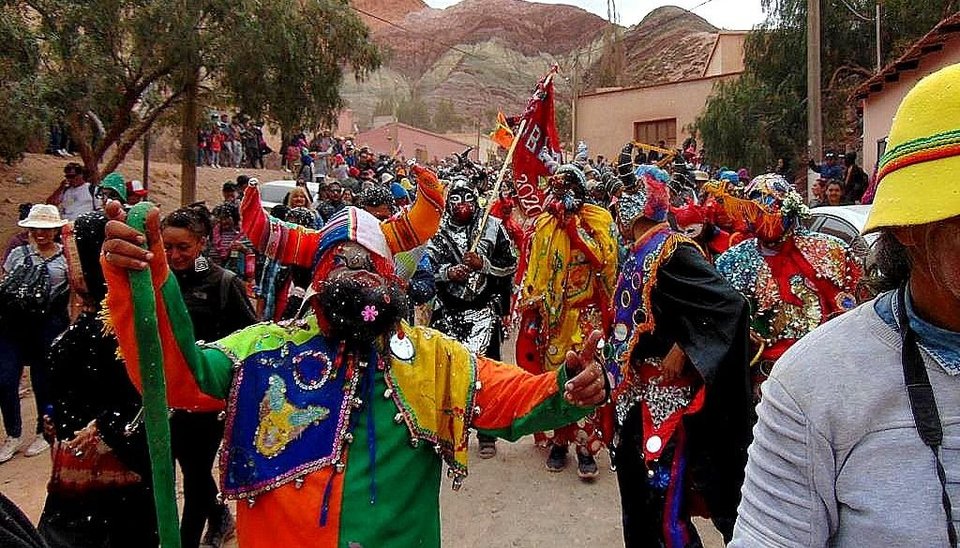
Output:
(485, 55)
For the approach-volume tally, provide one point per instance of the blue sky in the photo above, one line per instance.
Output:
(728, 14)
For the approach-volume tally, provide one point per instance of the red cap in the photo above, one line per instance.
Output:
(136, 188)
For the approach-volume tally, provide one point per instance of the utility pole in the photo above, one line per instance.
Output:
(573, 104)
(814, 109)
(876, 18)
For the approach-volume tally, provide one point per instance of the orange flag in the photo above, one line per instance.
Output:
(502, 135)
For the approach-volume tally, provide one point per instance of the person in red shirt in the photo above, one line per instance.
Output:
(216, 145)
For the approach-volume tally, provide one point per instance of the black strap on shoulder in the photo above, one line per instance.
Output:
(923, 404)
(53, 257)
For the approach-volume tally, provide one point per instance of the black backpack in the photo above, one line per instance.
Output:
(25, 291)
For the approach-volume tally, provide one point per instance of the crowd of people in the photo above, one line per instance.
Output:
(661, 307)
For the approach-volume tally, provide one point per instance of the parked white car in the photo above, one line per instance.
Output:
(273, 192)
(846, 223)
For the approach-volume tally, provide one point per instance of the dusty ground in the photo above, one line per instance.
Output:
(510, 500)
(40, 175)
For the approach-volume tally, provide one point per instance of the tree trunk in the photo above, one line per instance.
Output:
(188, 141)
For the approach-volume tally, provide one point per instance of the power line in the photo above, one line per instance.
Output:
(496, 63)
(665, 22)
(401, 27)
(856, 13)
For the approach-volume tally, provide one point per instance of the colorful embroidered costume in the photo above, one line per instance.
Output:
(329, 446)
(679, 445)
(569, 274)
(793, 279)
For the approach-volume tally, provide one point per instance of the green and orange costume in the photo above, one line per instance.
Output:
(325, 446)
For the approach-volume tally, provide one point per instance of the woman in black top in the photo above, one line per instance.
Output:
(217, 303)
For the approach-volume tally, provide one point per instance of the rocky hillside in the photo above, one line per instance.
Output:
(484, 55)
(391, 10)
(669, 45)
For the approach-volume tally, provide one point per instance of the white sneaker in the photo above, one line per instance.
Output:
(37, 446)
(10, 448)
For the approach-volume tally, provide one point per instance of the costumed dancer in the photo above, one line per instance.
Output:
(698, 222)
(413, 266)
(337, 426)
(569, 273)
(793, 279)
(678, 352)
(473, 281)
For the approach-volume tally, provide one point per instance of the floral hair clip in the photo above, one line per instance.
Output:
(369, 313)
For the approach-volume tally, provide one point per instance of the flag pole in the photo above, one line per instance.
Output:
(506, 163)
(498, 183)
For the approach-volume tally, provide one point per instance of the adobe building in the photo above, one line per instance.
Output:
(881, 95)
(606, 119)
(425, 146)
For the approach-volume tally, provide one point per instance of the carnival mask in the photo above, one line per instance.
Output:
(463, 206)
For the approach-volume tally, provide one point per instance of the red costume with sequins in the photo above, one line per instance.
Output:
(792, 289)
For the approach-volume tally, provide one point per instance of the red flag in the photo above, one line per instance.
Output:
(538, 143)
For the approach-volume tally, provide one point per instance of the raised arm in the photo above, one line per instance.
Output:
(419, 223)
(287, 243)
(514, 403)
(195, 380)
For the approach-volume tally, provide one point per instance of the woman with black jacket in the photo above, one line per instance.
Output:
(218, 305)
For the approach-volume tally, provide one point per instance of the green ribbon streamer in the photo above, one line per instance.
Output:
(156, 419)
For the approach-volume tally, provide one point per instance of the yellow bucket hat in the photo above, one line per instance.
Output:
(917, 174)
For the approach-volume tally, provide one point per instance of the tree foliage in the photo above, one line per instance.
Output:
(413, 110)
(100, 68)
(24, 119)
(763, 116)
(445, 118)
(110, 68)
(288, 59)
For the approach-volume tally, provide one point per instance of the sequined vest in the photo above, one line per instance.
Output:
(294, 391)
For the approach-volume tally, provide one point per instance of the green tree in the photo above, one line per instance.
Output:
(282, 61)
(413, 111)
(24, 119)
(102, 68)
(446, 118)
(111, 68)
(763, 116)
(286, 58)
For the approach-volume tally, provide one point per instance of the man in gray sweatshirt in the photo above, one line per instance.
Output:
(838, 458)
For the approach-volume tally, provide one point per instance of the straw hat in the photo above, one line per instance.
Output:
(917, 173)
(43, 216)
